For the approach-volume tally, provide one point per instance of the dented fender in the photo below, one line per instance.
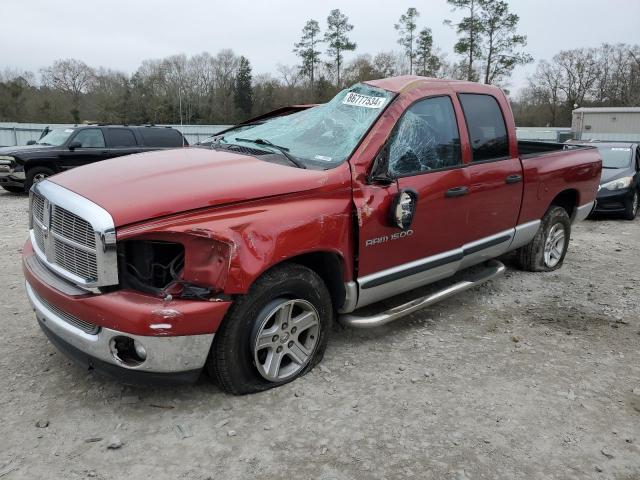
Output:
(230, 246)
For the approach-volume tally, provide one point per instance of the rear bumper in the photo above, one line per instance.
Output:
(176, 336)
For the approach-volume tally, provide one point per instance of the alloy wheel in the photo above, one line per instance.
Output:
(286, 339)
(554, 245)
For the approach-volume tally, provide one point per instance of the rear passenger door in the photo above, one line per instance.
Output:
(495, 178)
(121, 142)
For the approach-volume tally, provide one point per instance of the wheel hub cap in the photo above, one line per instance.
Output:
(554, 245)
(286, 339)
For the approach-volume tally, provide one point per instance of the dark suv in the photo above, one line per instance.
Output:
(64, 148)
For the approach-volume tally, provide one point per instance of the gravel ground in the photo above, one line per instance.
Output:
(531, 376)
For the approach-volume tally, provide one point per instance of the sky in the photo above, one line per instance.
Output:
(119, 34)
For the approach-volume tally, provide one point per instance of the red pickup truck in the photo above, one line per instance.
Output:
(237, 257)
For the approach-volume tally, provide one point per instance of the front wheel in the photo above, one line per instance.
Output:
(548, 248)
(274, 334)
(35, 175)
(631, 207)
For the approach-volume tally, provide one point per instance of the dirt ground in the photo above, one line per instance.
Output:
(531, 376)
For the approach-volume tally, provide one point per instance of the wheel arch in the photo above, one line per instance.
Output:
(330, 268)
(568, 199)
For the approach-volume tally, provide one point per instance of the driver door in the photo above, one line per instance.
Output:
(424, 157)
(92, 148)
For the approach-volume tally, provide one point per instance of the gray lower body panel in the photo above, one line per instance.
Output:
(402, 278)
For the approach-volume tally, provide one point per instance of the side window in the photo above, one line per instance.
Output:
(425, 138)
(161, 137)
(90, 138)
(487, 130)
(121, 138)
(638, 158)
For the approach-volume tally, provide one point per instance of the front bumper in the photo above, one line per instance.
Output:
(613, 201)
(11, 179)
(84, 326)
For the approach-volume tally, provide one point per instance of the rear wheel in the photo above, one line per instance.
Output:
(13, 189)
(631, 207)
(274, 334)
(35, 175)
(548, 248)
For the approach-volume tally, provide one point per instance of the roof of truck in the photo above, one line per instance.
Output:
(398, 84)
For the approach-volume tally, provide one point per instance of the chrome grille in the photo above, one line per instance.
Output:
(37, 207)
(86, 327)
(72, 236)
(72, 227)
(75, 260)
(38, 234)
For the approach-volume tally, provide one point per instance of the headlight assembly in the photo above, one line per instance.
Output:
(618, 184)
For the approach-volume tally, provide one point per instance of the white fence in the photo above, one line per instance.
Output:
(12, 134)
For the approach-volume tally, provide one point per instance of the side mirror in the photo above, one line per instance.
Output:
(403, 209)
(73, 145)
(31, 142)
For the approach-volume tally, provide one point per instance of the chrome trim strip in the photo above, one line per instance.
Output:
(164, 354)
(429, 269)
(486, 248)
(524, 234)
(494, 268)
(583, 211)
(99, 219)
(351, 297)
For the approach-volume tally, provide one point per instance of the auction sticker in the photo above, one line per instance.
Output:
(358, 100)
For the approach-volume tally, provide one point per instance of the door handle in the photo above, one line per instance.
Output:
(513, 179)
(457, 192)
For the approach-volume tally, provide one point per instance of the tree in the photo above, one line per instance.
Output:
(470, 29)
(70, 76)
(337, 41)
(428, 62)
(501, 42)
(407, 27)
(243, 95)
(306, 49)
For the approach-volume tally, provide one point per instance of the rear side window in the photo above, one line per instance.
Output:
(487, 130)
(161, 137)
(425, 138)
(121, 137)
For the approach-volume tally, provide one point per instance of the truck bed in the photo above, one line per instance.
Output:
(528, 148)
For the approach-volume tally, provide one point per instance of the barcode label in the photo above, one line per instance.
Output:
(357, 100)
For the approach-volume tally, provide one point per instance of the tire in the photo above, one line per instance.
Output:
(254, 333)
(14, 189)
(36, 174)
(548, 248)
(631, 207)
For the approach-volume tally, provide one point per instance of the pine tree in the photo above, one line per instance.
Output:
(407, 27)
(470, 29)
(337, 41)
(243, 91)
(501, 42)
(428, 62)
(306, 50)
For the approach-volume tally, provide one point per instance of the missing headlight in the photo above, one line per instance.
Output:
(150, 266)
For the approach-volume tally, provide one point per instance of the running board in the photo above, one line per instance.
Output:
(492, 270)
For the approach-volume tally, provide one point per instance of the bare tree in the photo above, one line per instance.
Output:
(70, 76)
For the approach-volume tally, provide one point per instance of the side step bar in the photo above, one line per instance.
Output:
(492, 270)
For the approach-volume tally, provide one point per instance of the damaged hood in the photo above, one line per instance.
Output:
(141, 187)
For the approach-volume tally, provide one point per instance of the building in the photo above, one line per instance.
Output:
(606, 123)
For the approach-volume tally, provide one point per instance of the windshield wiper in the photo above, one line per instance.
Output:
(283, 150)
